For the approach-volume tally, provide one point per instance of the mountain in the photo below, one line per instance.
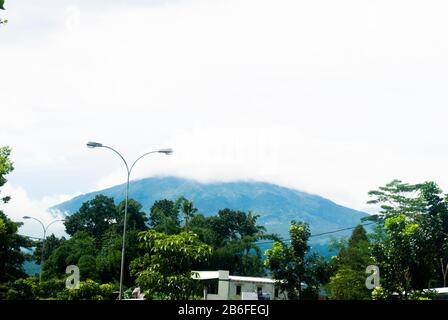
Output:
(275, 204)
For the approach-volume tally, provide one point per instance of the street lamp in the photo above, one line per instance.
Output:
(45, 228)
(91, 144)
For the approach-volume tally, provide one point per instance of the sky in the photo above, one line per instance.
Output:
(330, 97)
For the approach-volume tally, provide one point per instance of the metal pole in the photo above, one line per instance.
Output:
(45, 228)
(124, 234)
(42, 256)
(128, 170)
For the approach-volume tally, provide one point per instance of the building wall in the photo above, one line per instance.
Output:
(227, 290)
(250, 287)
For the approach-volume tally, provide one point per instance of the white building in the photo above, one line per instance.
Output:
(219, 285)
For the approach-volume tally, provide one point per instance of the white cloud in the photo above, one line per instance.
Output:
(22, 205)
(335, 98)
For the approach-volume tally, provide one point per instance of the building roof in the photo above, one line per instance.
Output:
(252, 279)
(208, 275)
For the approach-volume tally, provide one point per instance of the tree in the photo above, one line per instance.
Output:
(228, 225)
(349, 281)
(6, 166)
(164, 216)
(232, 225)
(95, 217)
(2, 2)
(187, 208)
(51, 243)
(397, 197)
(166, 268)
(80, 250)
(136, 218)
(11, 255)
(290, 264)
(96, 244)
(200, 225)
(90, 290)
(108, 259)
(397, 256)
(413, 236)
(233, 235)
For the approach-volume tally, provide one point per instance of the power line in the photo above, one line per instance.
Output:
(316, 235)
(22, 235)
(270, 241)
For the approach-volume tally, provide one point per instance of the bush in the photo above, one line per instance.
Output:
(422, 295)
(90, 290)
(50, 289)
(23, 289)
(379, 294)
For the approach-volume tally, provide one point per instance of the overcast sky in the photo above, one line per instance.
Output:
(331, 97)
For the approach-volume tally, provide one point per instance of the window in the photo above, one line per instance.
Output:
(238, 290)
(212, 287)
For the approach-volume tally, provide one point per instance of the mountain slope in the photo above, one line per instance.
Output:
(276, 205)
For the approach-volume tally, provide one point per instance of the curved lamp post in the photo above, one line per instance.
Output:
(45, 228)
(128, 170)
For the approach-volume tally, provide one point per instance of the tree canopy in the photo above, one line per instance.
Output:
(166, 268)
(411, 240)
(291, 265)
(11, 243)
(348, 282)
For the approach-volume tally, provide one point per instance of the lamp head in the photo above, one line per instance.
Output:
(166, 151)
(26, 217)
(91, 144)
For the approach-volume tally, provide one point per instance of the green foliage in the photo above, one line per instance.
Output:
(94, 217)
(422, 295)
(23, 289)
(11, 243)
(49, 289)
(200, 225)
(187, 208)
(397, 197)
(291, 266)
(108, 260)
(96, 244)
(90, 290)
(397, 255)
(51, 243)
(79, 249)
(413, 238)
(165, 269)
(164, 216)
(231, 225)
(348, 282)
(31, 289)
(11, 255)
(379, 293)
(136, 218)
(2, 2)
(233, 235)
(279, 261)
(6, 166)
